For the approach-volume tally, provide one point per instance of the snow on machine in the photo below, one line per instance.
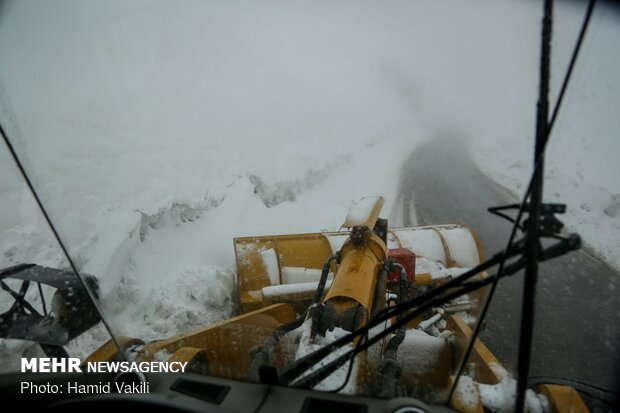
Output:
(368, 310)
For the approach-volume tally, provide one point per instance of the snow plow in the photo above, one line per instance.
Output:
(349, 312)
(365, 319)
(367, 311)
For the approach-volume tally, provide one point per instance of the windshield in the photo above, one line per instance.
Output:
(156, 133)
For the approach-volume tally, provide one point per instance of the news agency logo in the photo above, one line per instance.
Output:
(51, 365)
(72, 365)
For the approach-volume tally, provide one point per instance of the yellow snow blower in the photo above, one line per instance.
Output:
(367, 310)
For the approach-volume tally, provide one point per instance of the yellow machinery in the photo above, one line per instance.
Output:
(304, 290)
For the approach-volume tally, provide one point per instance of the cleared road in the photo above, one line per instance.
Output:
(577, 330)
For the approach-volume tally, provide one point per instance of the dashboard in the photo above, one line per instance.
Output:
(185, 393)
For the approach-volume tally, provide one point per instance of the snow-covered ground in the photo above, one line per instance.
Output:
(158, 131)
(582, 169)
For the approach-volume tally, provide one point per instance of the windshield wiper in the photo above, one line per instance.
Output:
(293, 374)
(540, 223)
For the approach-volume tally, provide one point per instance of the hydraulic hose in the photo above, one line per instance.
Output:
(261, 354)
(323, 280)
(379, 291)
(397, 340)
(390, 368)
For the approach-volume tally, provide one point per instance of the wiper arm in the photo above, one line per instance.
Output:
(290, 374)
(320, 374)
(269, 374)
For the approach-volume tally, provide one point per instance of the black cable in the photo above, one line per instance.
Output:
(487, 302)
(538, 166)
(320, 374)
(323, 280)
(317, 376)
(454, 282)
(64, 249)
(349, 371)
(301, 365)
(496, 210)
(42, 299)
(263, 400)
(508, 217)
(292, 372)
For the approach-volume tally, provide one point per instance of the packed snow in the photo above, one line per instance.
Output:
(292, 275)
(420, 352)
(425, 242)
(156, 132)
(467, 392)
(500, 397)
(298, 288)
(462, 245)
(447, 245)
(436, 269)
(270, 261)
(344, 378)
(361, 211)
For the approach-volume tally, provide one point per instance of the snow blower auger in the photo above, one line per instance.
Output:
(288, 268)
(368, 310)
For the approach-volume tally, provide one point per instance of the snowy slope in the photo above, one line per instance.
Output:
(157, 131)
(581, 169)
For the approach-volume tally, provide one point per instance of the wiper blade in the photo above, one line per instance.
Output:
(300, 366)
(320, 374)
(407, 311)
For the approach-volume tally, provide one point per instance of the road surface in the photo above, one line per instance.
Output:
(577, 327)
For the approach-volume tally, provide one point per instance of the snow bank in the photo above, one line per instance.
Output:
(154, 147)
(581, 169)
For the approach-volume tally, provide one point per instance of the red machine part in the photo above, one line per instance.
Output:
(404, 257)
